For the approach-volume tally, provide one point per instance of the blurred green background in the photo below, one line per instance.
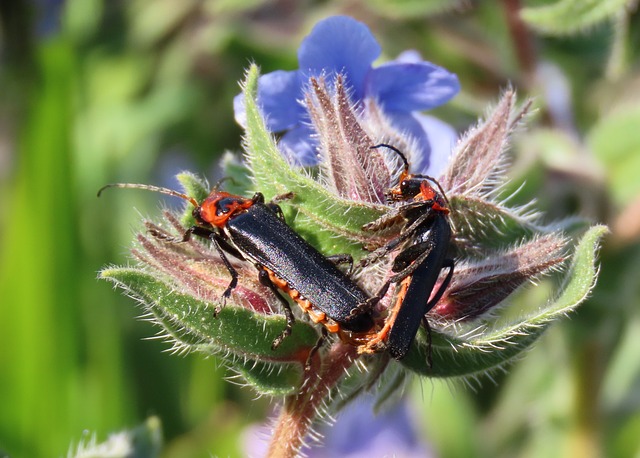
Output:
(96, 91)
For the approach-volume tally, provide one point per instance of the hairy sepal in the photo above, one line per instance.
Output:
(479, 347)
(478, 163)
(484, 285)
(193, 186)
(349, 165)
(239, 336)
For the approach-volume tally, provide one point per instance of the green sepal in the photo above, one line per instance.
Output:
(494, 344)
(192, 186)
(329, 222)
(239, 336)
(481, 223)
(269, 378)
(482, 226)
(238, 174)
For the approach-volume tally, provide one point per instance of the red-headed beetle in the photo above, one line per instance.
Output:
(424, 243)
(252, 230)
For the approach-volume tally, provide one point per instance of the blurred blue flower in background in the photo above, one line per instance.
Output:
(357, 433)
(47, 17)
(342, 45)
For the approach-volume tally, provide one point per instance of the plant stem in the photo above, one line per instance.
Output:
(522, 42)
(300, 410)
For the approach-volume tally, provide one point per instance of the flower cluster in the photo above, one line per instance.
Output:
(332, 111)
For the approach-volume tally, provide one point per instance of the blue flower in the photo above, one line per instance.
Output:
(342, 45)
(357, 433)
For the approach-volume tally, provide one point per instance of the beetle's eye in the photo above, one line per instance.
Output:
(409, 189)
(224, 206)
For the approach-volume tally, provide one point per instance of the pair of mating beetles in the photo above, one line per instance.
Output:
(252, 230)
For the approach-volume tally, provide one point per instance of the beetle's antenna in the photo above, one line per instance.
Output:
(436, 182)
(149, 187)
(222, 180)
(399, 153)
(405, 173)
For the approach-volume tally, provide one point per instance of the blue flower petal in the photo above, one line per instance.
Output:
(442, 140)
(278, 94)
(409, 125)
(411, 86)
(239, 110)
(434, 141)
(358, 433)
(339, 44)
(299, 146)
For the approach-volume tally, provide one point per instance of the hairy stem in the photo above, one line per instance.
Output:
(300, 410)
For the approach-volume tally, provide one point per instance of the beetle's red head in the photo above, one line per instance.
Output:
(417, 188)
(218, 207)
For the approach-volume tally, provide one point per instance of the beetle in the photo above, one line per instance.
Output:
(253, 230)
(424, 242)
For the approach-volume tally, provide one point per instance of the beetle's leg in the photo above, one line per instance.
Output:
(423, 250)
(412, 254)
(393, 244)
(316, 347)
(448, 263)
(193, 230)
(344, 258)
(263, 276)
(273, 204)
(275, 208)
(218, 244)
(366, 306)
(425, 322)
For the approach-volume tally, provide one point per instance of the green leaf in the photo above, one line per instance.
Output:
(571, 16)
(324, 219)
(472, 352)
(241, 337)
(615, 140)
(408, 9)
